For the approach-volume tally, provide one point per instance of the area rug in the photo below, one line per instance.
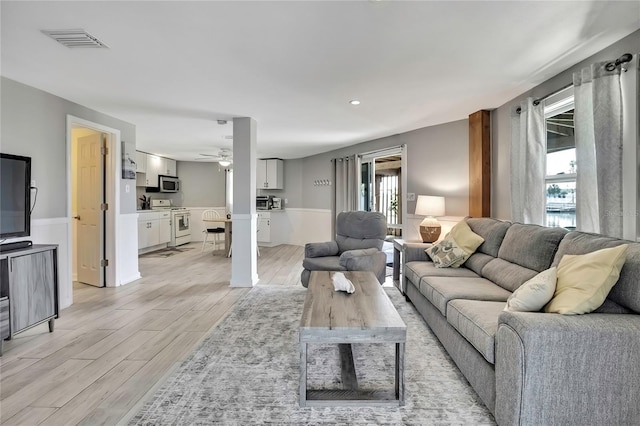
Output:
(246, 372)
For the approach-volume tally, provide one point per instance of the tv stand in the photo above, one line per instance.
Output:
(29, 278)
(18, 245)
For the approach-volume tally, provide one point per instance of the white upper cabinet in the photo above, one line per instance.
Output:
(270, 174)
(155, 167)
(152, 166)
(141, 162)
(170, 167)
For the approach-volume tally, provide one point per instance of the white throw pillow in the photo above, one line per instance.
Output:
(585, 280)
(533, 294)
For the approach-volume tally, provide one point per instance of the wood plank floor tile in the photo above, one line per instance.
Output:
(30, 416)
(114, 346)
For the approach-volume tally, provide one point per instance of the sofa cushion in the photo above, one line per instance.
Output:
(584, 281)
(327, 263)
(506, 274)
(456, 247)
(492, 230)
(477, 261)
(476, 321)
(626, 292)
(531, 246)
(534, 294)
(440, 290)
(414, 271)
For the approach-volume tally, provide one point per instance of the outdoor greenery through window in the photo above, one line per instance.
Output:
(561, 165)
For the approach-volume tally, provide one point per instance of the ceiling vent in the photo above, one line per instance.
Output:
(75, 39)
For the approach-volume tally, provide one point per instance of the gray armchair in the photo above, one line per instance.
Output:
(357, 247)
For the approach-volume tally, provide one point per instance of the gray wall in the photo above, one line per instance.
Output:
(292, 192)
(437, 162)
(201, 185)
(501, 122)
(34, 124)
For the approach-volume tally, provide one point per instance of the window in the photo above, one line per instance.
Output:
(561, 161)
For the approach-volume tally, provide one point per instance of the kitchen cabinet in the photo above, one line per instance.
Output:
(264, 227)
(29, 278)
(170, 167)
(151, 166)
(154, 228)
(270, 174)
(141, 162)
(164, 229)
(155, 166)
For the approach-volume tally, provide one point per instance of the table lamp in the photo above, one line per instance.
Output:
(430, 206)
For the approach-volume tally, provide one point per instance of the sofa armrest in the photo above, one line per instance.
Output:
(570, 370)
(370, 259)
(412, 252)
(329, 248)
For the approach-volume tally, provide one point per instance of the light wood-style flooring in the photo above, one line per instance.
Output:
(114, 346)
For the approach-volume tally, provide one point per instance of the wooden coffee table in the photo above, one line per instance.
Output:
(366, 316)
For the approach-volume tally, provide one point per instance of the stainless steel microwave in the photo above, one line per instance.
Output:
(168, 184)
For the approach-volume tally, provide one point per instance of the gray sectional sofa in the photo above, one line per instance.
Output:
(533, 368)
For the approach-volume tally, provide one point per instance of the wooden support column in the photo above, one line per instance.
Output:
(480, 164)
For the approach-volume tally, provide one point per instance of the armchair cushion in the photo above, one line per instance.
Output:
(329, 248)
(326, 263)
(370, 259)
(360, 230)
(353, 257)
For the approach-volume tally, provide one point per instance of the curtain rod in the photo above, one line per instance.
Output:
(610, 66)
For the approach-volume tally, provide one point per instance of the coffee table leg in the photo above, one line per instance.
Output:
(303, 374)
(400, 372)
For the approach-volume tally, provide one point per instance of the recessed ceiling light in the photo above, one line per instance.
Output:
(354, 102)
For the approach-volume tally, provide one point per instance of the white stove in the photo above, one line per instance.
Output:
(180, 221)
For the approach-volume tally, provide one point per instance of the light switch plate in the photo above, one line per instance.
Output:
(411, 196)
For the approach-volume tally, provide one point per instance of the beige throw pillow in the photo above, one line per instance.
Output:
(456, 247)
(584, 281)
(533, 294)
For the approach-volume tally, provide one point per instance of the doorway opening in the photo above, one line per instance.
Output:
(381, 187)
(92, 201)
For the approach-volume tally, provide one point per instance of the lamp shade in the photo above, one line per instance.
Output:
(429, 205)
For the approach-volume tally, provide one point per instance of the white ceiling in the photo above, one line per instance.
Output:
(174, 68)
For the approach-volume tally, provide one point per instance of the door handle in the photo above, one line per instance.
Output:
(76, 217)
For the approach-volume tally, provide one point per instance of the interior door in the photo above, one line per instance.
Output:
(90, 216)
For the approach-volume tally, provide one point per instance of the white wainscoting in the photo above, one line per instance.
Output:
(305, 226)
(54, 231)
(127, 249)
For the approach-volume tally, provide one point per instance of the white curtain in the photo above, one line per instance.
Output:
(345, 188)
(598, 135)
(528, 163)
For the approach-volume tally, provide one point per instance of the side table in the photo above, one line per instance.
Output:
(398, 245)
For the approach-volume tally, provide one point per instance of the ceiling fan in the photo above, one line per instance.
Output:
(224, 157)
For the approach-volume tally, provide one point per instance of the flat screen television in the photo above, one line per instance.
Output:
(15, 196)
